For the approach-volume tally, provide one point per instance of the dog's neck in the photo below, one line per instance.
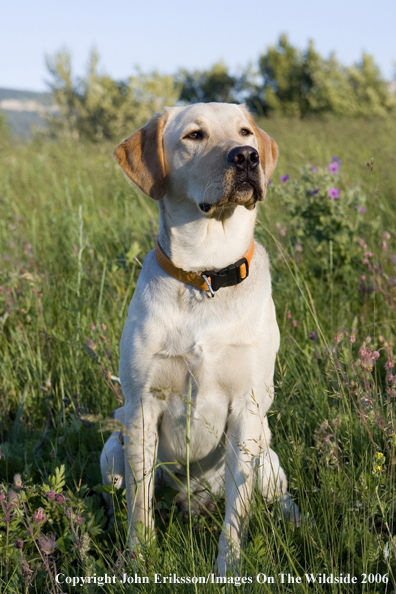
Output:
(197, 242)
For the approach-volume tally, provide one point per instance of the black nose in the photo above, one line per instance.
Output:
(244, 158)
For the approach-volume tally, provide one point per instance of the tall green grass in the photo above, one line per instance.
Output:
(73, 235)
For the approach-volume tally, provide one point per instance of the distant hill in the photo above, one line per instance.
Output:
(24, 110)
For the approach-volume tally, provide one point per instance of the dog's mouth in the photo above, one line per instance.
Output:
(244, 189)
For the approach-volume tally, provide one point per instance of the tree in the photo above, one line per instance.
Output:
(370, 91)
(215, 84)
(97, 107)
(296, 83)
(281, 69)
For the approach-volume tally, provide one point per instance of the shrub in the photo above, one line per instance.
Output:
(324, 218)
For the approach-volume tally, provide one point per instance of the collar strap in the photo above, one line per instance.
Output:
(208, 280)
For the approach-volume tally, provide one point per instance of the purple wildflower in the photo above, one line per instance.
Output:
(314, 169)
(336, 160)
(315, 191)
(284, 178)
(362, 210)
(333, 193)
(334, 167)
(270, 181)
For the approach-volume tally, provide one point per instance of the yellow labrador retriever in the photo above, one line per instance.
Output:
(199, 345)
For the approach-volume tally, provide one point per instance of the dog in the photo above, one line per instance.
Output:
(199, 345)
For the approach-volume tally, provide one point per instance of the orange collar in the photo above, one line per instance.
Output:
(208, 280)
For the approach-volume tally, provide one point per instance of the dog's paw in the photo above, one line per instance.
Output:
(228, 566)
(228, 560)
(290, 509)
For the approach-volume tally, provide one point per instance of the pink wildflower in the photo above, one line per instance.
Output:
(39, 516)
(18, 481)
(334, 193)
(13, 498)
(334, 167)
(47, 543)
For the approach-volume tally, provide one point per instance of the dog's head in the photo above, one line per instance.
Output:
(211, 153)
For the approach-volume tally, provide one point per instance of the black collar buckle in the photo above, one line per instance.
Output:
(227, 277)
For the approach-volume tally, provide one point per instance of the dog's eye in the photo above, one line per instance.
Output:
(245, 132)
(196, 135)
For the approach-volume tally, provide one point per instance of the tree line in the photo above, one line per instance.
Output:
(286, 82)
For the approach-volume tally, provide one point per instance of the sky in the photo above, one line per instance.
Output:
(154, 34)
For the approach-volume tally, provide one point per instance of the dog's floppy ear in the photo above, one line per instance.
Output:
(268, 149)
(141, 157)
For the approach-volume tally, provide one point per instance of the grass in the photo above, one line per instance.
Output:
(72, 236)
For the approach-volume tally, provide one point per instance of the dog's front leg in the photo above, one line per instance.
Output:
(140, 450)
(242, 450)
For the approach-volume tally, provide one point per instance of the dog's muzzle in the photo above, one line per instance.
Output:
(245, 161)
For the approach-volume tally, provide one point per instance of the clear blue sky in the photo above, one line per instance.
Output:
(170, 34)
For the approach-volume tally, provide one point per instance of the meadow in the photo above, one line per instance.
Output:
(73, 235)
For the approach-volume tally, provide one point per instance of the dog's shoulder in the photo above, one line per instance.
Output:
(259, 281)
(261, 261)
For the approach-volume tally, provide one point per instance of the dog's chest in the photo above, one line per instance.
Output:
(208, 367)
